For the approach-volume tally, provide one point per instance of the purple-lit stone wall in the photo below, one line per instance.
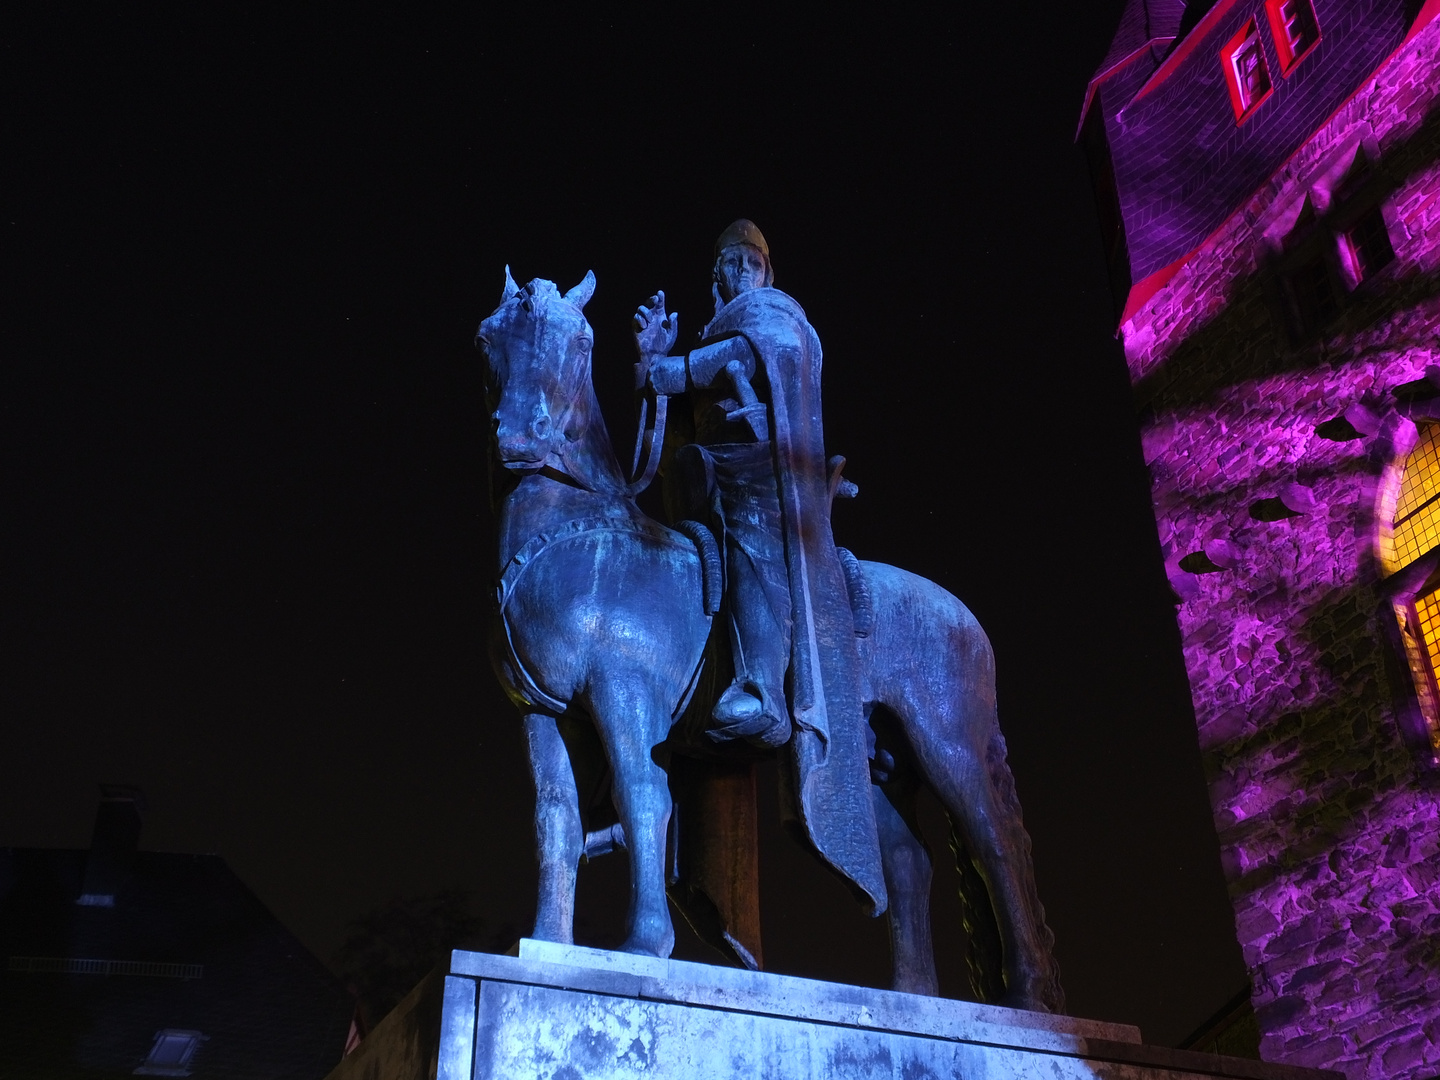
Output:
(1327, 824)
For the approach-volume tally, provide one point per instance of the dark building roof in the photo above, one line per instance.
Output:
(160, 942)
(1147, 28)
(1166, 150)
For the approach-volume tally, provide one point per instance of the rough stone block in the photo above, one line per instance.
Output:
(566, 1013)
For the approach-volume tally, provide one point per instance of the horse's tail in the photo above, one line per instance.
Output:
(985, 953)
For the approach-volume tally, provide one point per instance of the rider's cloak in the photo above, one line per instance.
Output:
(828, 747)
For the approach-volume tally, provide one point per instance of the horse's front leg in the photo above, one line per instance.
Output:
(559, 837)
(633, 719)
(906, 861)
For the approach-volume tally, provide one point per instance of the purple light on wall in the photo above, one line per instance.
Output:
(1276, 430)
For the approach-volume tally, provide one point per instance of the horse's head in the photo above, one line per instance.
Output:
(537, 352)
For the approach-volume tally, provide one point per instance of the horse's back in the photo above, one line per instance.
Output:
(907, 601)
(608, 602)
(926, 648)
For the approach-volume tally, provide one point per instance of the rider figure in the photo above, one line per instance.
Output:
(757, 455)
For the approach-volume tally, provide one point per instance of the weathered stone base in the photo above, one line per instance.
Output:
(567, 1013)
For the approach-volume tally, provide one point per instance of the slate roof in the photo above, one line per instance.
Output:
(1181, 164)
(1142, 22)
(269, 1008)
(1145, 25)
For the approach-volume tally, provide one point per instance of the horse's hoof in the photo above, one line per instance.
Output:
(919, 985)
(649, 948)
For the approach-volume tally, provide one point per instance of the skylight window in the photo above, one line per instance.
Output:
(1246, 72)
(1295, 29)
(172, 1053)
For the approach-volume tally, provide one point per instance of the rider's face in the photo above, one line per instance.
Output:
(739, 269)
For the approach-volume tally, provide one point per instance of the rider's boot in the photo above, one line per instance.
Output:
(746, 711)
(753, 705)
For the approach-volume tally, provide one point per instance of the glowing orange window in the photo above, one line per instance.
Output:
(1417, 510)
(1420, 635)
(1416, 530)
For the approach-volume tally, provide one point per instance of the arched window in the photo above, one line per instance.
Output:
(1413, 535)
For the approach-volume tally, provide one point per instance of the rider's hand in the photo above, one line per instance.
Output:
(655, 331)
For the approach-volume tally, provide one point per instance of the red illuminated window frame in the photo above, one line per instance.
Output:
(1247, 72)
(1296, 31)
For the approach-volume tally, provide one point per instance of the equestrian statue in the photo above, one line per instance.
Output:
(654, 664)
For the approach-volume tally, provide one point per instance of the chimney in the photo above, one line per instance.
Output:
(113, 844)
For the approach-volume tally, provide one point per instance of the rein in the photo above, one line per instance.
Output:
(648, 441)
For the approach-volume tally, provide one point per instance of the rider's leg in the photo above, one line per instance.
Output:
(633, 718)
(559, 837)
(757, 594)
(753, 706)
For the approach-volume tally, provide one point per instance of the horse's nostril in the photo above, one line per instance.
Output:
(518, 448)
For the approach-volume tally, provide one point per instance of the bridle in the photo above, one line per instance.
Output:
(649, 436)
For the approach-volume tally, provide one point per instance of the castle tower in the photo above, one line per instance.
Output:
(1268, 178)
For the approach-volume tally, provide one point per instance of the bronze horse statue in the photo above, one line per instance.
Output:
(599, 637)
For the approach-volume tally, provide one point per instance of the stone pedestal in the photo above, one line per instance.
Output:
(567, 1013)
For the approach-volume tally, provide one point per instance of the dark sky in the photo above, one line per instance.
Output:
(245, 541)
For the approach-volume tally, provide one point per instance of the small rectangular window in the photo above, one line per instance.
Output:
(1367, 242)
(1295, 29)
(1250, 69)
(1246, 72)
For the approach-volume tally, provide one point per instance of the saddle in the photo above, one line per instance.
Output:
(700, 498)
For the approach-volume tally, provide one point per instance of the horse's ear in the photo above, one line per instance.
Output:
(510, 287)
(580, 294)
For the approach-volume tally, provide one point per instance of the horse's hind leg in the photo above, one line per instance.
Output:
(972, 780)
(633, 719)
(559, 836)
(906, 862)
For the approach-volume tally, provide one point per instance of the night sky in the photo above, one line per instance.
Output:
(245, 540)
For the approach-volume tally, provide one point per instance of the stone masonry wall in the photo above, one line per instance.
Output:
(1328, 823)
